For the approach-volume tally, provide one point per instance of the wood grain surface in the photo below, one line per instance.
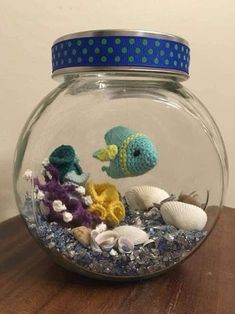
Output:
(31, 283)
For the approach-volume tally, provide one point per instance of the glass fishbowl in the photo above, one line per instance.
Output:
(120, 172)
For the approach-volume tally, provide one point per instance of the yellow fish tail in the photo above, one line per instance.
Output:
(107, 153)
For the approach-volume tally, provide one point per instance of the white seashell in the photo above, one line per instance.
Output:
(143, 197)
(94, 246)
(107, 239)
(183, 216)
(134, 234)
(125, 245)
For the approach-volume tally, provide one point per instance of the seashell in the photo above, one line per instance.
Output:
(107, 239)
(134, 234)
(148, 242)
(143, 197)
(125, 245)
(82, 234)
(183, 216)
(94, 246)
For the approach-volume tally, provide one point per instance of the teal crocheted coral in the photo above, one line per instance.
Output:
(65, 160)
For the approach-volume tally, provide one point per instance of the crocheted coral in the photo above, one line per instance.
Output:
(106, 202)
(55, 191)
(64, 159)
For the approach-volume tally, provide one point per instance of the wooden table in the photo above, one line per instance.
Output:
(31, 283)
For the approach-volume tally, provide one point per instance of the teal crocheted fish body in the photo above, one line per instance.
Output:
(130, 153)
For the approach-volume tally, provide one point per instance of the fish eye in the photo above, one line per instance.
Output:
(136, 153)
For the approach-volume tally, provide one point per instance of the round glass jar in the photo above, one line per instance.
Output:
(120, 172)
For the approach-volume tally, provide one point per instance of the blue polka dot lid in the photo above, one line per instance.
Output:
(121, 50)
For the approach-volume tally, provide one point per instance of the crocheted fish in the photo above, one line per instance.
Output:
(130, 153)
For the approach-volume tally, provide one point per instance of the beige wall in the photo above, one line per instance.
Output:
(29, 27)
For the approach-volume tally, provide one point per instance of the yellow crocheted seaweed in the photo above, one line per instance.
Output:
(102, 193)
(106, 202)
(115, 213)
(98, 209)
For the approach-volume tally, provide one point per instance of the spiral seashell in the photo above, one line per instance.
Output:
(94, 246)
(143, 197)
(125, 245)
(134, 234)
(183, 216)
(106, 240)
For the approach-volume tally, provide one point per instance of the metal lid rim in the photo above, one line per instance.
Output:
(122, 32)
(72, 70)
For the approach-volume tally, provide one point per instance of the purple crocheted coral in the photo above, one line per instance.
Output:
(54, 190)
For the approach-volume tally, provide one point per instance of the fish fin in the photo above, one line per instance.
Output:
(117, 135)
(107, 153)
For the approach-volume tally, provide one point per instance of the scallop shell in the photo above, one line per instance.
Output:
(134, 234)
(183, 216)
(125, 245)
(143, 197)
(107, 239)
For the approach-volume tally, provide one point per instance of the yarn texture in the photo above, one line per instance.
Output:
(106, 202)
(130, 153)
(65, 160)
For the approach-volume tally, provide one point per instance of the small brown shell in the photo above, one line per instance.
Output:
(82, 234)
(189, 198)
